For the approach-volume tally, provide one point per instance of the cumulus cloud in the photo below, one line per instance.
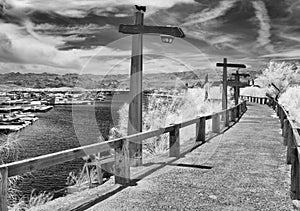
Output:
(79, 8)
(264, 33)
(20, 48)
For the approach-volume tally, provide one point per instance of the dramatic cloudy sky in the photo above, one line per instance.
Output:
(81, 36)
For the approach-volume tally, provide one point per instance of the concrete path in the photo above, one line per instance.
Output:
(242, 169)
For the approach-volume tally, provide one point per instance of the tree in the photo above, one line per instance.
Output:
(277, 77)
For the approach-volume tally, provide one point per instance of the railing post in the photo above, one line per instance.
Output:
(239, 111)
(226, 121)
(285, 131)
(282, 117)
(277, 109)
(200, 130)
(233, 114)
(122, 162)
(295, 183)
(290, 140)
(3, 188)
(174, 141)
(245, 107)
(215, 123)
(297, 174)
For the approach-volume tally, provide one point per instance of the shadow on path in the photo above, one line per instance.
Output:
(155, 166)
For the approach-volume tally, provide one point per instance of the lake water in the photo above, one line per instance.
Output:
(62, 128)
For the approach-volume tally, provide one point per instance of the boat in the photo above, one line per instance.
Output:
(9, 109)
(41, 108)
(26, 109)
(15, 121)
(10, 128)
(19, 122)
(25, 116)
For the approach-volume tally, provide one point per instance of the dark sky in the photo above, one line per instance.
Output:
(81, 36)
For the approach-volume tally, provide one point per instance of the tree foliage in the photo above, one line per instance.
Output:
(278, 77)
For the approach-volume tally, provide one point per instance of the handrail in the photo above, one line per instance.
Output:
(291, 139)
(252, 99)
(120, 145)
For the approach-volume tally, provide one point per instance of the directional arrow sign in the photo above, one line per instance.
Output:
(143, 29)
(237, 83)
(231, 65)
(241, 74)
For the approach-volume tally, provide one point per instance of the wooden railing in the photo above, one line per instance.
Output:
(260, 100)
(120, 146)
(291, 139)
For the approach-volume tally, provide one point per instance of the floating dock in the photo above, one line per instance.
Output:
(7, 128)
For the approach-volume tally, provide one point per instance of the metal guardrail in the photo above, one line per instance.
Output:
(120, 146)
(291, 139)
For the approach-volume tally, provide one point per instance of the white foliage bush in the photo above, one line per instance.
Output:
(162, 112)
(282, 75)
(291, 101)
(286, 77)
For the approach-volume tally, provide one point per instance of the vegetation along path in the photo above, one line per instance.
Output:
(241, 169)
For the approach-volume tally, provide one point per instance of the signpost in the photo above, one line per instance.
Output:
(224, 94)
(237, 84)
(136, 93)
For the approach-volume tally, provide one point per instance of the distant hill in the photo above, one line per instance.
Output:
(89, 81)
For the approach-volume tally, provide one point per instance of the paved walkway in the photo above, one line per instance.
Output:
(242, 169)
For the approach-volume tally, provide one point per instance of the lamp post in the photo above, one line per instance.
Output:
(135, 107)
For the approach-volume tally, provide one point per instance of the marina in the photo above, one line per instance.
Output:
(16, 121)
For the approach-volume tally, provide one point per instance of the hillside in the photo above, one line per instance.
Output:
(89, 81)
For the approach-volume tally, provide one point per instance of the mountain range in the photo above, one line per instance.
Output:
(120, 81)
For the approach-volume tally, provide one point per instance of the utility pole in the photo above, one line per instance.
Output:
(136, 92)
(224, 93)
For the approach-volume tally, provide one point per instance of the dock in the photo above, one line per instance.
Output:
(5, 129)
